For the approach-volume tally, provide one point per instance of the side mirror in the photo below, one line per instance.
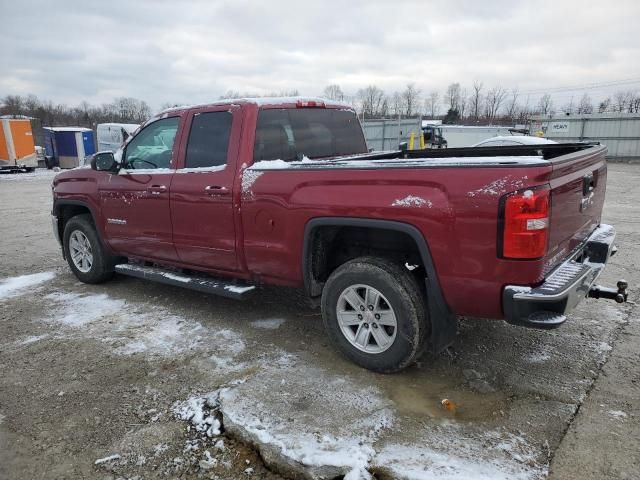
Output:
(104, 162)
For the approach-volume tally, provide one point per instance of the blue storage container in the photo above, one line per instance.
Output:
(67, 147)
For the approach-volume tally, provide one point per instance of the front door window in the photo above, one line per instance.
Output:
(152, 148)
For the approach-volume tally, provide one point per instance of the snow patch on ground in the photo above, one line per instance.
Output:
(32, 339)
(446, 455)
(308, 395)
(412, 201)
(200, 412)
(38, 174)
(617, 414)
(138, 328)
(77, 310)
(540, 356)
(15, 286)
(602, 347)
(108, 459)
(268, 324)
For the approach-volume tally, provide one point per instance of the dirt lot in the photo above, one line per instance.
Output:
(137, 380)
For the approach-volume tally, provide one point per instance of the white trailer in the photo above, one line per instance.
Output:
(111, 135)
(465, 136)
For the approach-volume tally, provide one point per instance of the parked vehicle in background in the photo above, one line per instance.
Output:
(17, 148)
(110, 136)
(458, 136)
(67, 147)
(511, 140)
(432, 131)
(393, 246)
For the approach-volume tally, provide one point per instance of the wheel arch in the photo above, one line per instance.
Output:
(443, 321)
(66, 209)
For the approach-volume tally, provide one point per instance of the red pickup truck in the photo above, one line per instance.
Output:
(394, 246)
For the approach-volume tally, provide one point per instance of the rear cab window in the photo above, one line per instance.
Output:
(208, 141)
(291, 134)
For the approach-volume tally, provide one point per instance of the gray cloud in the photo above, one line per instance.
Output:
(167, 51)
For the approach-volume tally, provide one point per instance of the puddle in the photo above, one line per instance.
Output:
(425, 398)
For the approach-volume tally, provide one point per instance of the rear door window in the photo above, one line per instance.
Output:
(208, 140)
(291, 134)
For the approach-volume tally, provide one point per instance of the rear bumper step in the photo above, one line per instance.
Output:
(224, 288)
(545, 306)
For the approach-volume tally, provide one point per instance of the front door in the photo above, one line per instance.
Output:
(135, 202)
(202, 191)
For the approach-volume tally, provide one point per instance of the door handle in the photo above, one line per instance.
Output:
(216, 190)
(157, 189)
(588, 184)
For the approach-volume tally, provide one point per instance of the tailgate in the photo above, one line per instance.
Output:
(578, 184)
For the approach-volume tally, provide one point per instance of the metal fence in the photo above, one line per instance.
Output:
(619, 132)
(386, 134)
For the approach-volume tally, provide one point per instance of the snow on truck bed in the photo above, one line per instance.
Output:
(356, 162)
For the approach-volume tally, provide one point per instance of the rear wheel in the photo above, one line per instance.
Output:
(84, 251)
(375, 313)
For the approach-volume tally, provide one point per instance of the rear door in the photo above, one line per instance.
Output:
(202, 190)
(135, 202)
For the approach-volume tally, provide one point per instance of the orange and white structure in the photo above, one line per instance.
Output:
(17, 148)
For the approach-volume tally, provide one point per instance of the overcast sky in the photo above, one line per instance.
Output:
(186, 52)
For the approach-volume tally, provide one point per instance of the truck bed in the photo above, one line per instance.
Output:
(454, 203)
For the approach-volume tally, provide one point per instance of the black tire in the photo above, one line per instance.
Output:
(103, 263)
(403, 294)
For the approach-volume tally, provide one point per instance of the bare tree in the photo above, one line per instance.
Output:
(545, 104)
(452, 96)
(431, 104)
(586, 105)
(512, 104)
(371, 99)
(410, 99)
(622, 100)
(395, 106)
(494, 100)
(463, 104)
(604, 105)
(475, 101)
(333, 92)
(13, 105)
(634, 106)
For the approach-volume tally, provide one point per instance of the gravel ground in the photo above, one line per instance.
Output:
(137, 380)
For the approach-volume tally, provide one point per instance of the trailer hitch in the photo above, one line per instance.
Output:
(619, 295)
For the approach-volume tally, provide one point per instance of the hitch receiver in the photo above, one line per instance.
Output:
(619, 295)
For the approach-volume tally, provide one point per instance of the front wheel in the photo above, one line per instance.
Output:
(84, 252)
(375, 313)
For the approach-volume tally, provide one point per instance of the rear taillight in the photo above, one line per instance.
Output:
(525, 223)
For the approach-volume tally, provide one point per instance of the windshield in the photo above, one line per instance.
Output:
(292, 134)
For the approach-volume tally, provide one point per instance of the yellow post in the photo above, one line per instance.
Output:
(412, 141)
(422, 141)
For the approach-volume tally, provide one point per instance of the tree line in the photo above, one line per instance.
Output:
(476, 104)
(121, 110)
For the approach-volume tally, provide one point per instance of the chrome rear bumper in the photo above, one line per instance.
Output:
(545, 306)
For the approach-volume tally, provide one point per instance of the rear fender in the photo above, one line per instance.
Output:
(443, 321)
